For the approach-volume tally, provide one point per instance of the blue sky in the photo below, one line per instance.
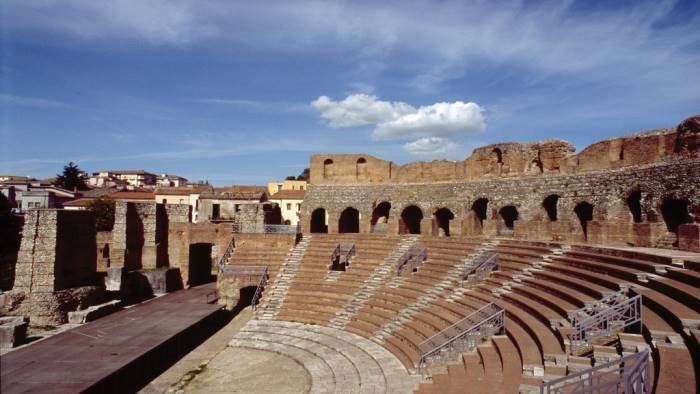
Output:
(244, 92)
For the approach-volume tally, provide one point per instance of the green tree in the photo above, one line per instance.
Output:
(71, 178)
(103, 208)
(304, 176)
(290, 178)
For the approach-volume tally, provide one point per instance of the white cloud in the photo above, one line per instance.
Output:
(431, 147)
(359, 110)
(398, 120)
(440, 119)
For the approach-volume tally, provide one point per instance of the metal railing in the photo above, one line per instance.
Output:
(480, 267)
(411, 259)
(258, 290)
(461, 336)
(258, 228)
(610, 314)
(227, 254)
(629, 375)
(345, 250)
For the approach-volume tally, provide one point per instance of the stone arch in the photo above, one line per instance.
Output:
(441, 221)
(411, 218)
(509, 214)
(327, 168)
(675, 212)
(550, 204)
(634, 203)
(537, 166)
(361, 168)
(349, 221)
(380, 213)
(480, 209)
(319, 221)
(584, 212)
(498, 155)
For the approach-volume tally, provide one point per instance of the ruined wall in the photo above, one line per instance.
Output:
(514, 159)
(607, 191)
(56, 265)
(177, 237)
(103, 240)
(134, 235)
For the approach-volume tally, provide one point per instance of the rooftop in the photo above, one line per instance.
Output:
(289, 195)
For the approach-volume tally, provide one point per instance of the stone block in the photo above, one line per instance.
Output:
(94, 312)
(114, 278)
(689, 237)
(13, 331)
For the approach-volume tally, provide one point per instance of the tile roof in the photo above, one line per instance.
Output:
(289, 195)
(140, 196)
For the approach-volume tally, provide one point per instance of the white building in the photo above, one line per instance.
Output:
(289, 202)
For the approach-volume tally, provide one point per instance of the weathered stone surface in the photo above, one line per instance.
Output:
(13, 331)
(94, 312)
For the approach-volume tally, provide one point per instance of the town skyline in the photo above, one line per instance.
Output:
(245, 93)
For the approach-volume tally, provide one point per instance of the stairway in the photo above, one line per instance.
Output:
(527, 271)
(271, 304)
(371, 284)
(451, 280)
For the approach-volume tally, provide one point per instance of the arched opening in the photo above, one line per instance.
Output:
(498, 155)
(634, 203)
(327, 168)
(550, 206)
(509, 214)
(319, 223)
(584, 212)
(443, 216)
(380, 217)
(537, 166)
(411, 218)
(361, 168)
(675, 213)
(349, 221)
(480, 207)
(199, 268)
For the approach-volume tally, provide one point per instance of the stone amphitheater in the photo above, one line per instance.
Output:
(523, 268)
(385, 292)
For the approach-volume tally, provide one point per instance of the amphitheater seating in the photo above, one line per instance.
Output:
(537, 283)
(270, 252)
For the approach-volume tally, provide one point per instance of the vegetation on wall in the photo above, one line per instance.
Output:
(104, 213)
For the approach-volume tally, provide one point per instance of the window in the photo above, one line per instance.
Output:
(165, 201)
(237, 207)
(301, 187)
(279, 187)
(289, 206)
(298, 206)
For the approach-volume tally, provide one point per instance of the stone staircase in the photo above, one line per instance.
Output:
(527, 271)
(374, 282)
(451, 280)
(271, 304)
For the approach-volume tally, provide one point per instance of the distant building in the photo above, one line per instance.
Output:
(25, 197)
(289, 202)
(183, 195)
(225, 203)
(168, 180)
(110, 178)
(276, 186)
(13, 178)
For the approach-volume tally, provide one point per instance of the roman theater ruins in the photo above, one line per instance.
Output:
(525, 267)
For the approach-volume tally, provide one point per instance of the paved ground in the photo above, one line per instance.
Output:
(115, 352)
(186, 368)
(239, 370)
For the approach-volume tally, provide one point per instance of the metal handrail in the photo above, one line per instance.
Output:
(601, 319)
(259, 228)
(414, 255)
(249, 270)
(348, 249)
(629, 375)
(480, 266)
(227, 254)
(449, 339)
(258, 289)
